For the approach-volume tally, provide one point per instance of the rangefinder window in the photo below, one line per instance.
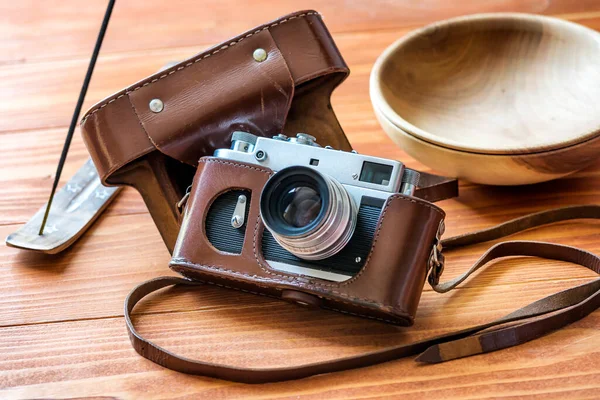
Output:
(379, 174)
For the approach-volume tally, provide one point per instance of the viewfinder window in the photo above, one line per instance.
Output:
(379, 174)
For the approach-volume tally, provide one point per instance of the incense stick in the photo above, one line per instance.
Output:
(84, 88)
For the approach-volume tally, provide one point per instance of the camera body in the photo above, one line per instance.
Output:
(272, 224)
(320, 208)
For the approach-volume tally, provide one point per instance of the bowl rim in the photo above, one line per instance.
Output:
(378, 100)
(480, 157)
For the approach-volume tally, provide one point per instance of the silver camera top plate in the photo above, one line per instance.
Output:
(348, 168)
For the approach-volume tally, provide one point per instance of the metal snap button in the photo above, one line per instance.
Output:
(300, 298)
(259, 55)
(156, 105)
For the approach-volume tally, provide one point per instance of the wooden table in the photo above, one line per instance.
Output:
(62, 332)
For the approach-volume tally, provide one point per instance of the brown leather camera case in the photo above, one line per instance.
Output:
(388, 287)
(209, 96)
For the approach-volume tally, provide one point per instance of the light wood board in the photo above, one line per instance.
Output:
(62, 332)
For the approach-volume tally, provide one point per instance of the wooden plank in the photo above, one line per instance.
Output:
(61, 330)
(69, 29)
(20, 198)
(120, 252)
(27, 170)
(95, 274)
(42, 95)
(27, 167)
(93, 358)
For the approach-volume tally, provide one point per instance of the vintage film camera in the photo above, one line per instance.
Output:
(320, 208)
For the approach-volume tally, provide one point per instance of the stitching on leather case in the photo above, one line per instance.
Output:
(183, 263)
(234, 164)
(200, 58)
(363, 315)
(191, 265)
(140, 122)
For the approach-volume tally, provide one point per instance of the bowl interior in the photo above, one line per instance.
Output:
(507, 83)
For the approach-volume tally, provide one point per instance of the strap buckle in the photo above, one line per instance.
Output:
(181, 203)
(436, 258)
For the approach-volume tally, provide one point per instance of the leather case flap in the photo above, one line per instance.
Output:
(212, 94)
(215, 95)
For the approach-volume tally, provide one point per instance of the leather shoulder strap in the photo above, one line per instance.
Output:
(435, 187)
(553, 312)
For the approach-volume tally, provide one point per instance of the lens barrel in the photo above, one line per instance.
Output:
(309, 214)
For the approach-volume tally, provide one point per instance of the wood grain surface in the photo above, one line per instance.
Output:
(62, 333)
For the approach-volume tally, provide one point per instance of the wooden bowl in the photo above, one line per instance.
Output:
(501, 99)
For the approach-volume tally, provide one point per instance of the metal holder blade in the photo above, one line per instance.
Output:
(74, 209)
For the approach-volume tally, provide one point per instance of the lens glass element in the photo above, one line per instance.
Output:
(300, 206)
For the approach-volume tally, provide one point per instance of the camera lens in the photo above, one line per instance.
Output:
(309, 214)
(301, 206)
